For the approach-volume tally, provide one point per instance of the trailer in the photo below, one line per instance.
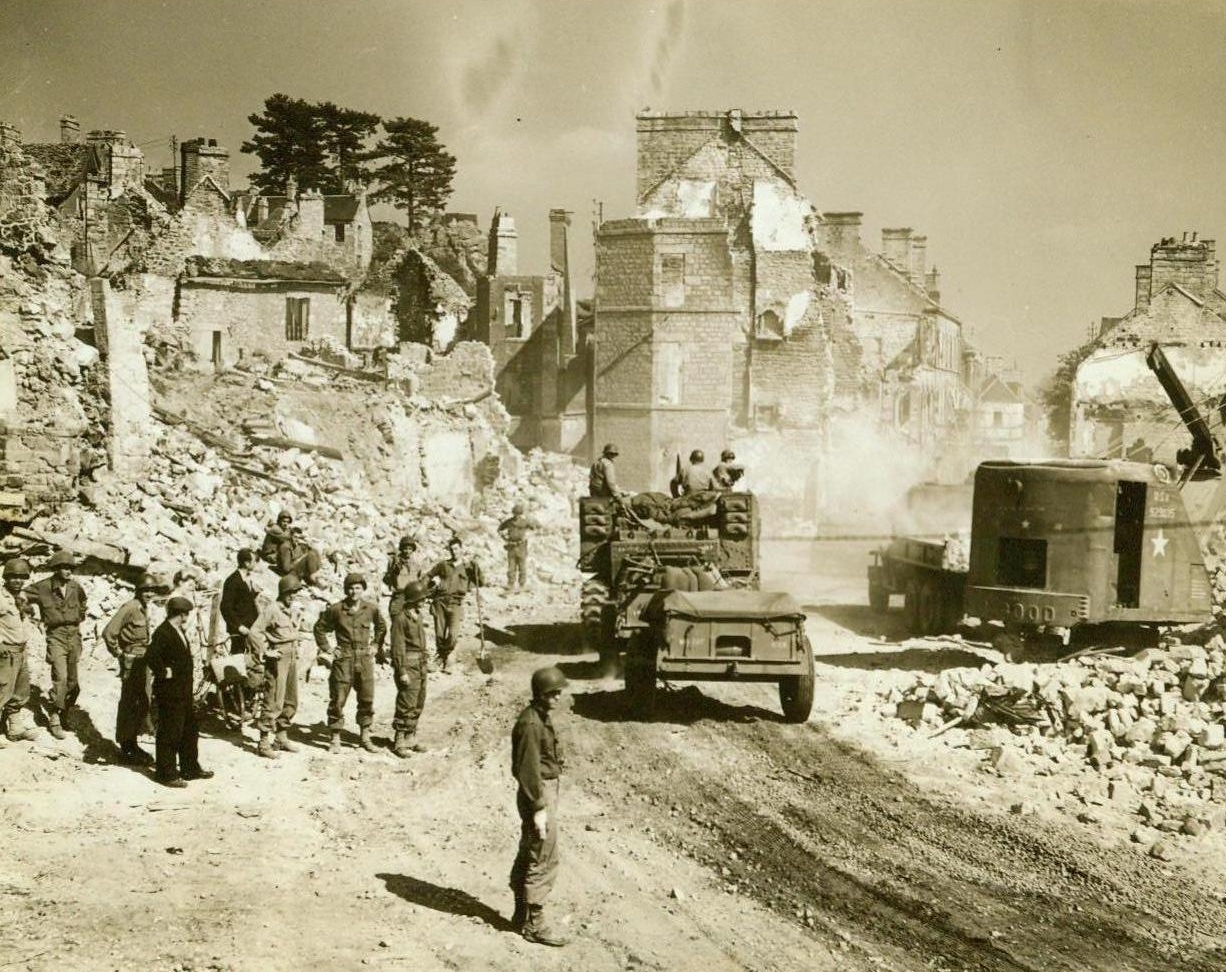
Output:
(930, 575)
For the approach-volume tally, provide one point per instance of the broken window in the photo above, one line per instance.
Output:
(672, 279)
(518, 315)
(1022, 562)
(769, 326)
(297, 318)
(766, 416)
(669, 360)
(339, 230)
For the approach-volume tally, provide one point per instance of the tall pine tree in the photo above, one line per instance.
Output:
(415, 172)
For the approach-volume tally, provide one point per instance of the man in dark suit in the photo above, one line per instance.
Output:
(169, 658)
(238, 607)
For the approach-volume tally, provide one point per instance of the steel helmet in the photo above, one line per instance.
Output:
(288, 584)
(697, 456)
(354, 580)
(610, 449)
(408, 543)
(727, 455)
(17, 567)
(61, 558)
(415, 592)
(517, 508)
(147, 582)
(546, 680)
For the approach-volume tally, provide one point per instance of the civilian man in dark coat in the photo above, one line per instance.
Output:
(169, 658)
(238, 607)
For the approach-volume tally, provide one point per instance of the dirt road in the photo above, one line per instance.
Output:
(714, 838)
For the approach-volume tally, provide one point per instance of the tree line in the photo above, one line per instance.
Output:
(329, 148)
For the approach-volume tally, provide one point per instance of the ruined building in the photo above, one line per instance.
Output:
(1118, 407)
(529, 322)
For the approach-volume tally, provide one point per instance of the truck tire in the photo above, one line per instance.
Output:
(878, 597)
(796, 691)
(594, 608)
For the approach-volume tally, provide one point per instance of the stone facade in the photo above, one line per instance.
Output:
(1118, 406)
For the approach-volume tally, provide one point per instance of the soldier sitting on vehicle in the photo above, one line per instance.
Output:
(602, 480)
(694, 478)
(728, 472)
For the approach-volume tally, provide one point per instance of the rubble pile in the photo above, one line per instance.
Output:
(1153, 725)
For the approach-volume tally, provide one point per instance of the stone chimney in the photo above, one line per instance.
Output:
(9, 134)
(1189, 264)
(201, 157)
(896, 247)
(932, 285)
(842, 235)
(503, 256)
(125, 162)
(1144, 275)
(919, 259)
(70, 129)
(559, 259)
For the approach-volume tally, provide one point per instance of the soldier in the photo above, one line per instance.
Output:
(694, 478)
(286, 552)
(409, 669)
(238, 607)
(61, 606)
(602, 480)
(170, 661)
(127, 638)
(402, 570)
(514, 532)
(536, 764)
(727, 473)
(359, 630)
(450, 580)
(273, 641)
(14, 636)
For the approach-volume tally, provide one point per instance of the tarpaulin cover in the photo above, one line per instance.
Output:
(753, 605)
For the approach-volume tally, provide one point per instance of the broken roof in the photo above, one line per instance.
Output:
(282, 270)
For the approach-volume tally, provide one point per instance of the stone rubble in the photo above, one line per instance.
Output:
(1153, 726)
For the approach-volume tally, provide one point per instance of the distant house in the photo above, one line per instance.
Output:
(332, 229)
(1000, 419)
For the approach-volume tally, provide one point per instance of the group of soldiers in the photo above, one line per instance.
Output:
(693, 478)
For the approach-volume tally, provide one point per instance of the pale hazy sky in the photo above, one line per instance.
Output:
(1041, 146)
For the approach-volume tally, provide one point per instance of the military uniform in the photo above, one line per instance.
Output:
(273, 644)
(453, 582)
(127, 638)
(360, 631)
(169, 659)
(61, 607)
(602, 478)
(536, 764)
(514, 532)
(695, 478)
(409, 669)
(401, 572)
(14, 673)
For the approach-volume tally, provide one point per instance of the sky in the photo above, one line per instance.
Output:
(1042, 147)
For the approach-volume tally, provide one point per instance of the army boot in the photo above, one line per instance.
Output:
(367, 743)
(54, 727)
(267, 749)
(334, 745)
(537, 930)
(401, 744)
(282, 742)
(520, 914)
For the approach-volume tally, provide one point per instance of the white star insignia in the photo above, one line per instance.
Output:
(1159, 543)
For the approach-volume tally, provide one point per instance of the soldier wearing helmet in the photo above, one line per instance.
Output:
(602, 480)
(359, 630)
(126, 637)
(273, 642)
(536, 764)
(694, 478)
(727, 472)
(14, 636)
(514, 532)
(61, 606)
(409, 668)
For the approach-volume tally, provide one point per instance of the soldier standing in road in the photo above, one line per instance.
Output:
(402, 570)
(61, 606)
(409, 668)
(536, 764)
(14, 636)
(273, 641)
(170, 661)
(127, 638)
(359, 630)
(602, 479)
(450, 581)
(514, 532)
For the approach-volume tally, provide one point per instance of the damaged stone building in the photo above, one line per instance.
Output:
(1118, 406)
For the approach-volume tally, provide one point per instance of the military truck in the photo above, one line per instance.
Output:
(640, 549)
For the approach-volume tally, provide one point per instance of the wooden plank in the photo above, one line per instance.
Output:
(105, 552)
(340, 369)
(280, 442)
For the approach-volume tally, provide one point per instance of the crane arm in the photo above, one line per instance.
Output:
(1206, 449)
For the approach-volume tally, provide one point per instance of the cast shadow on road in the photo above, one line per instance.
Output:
(863, 620)
(540, 639)
(451, 901)
(935, 659)
(683, 706)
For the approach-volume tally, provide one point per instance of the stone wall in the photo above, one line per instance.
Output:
(121, 339)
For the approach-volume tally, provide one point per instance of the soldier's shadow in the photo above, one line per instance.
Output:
(451, 901)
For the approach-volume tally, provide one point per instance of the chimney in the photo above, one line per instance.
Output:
(202, 158)
(932, 284)
(170, 179)
(559, 259)
(1144, 278)
(503, 246)
(70, 129)
(842, 235)
(919, 259)
(896, 247)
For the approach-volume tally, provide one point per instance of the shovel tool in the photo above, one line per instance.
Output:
(484, 662)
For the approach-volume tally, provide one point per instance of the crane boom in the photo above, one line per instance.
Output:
(1205, 456)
